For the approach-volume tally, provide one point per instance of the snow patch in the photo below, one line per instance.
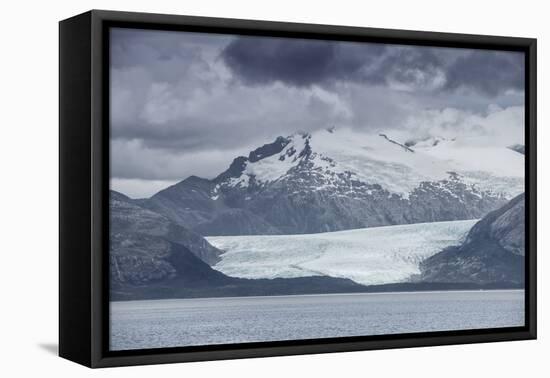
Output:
(274, 167)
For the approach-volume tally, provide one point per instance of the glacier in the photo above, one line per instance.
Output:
(369, 256)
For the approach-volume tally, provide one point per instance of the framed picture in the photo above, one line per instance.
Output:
(234, 188)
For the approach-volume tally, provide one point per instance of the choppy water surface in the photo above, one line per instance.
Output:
(184, 322)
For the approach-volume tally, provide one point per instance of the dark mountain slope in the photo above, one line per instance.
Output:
(494, 250)
(127, 218)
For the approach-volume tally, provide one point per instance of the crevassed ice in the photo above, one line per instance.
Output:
(369, 256)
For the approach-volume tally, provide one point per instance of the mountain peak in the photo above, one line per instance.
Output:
(303, 134)
(117, 196)
(269, 149)
(235, 169)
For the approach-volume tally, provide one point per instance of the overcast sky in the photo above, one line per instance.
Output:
(188, 103)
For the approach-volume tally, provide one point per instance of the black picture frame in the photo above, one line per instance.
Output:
(84, 189)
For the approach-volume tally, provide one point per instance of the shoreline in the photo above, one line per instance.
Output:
(381, 292)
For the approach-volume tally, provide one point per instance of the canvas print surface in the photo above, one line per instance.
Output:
(274, 189)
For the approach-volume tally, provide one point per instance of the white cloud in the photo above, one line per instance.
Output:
(497, 127)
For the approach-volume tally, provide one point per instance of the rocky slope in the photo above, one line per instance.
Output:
(336, 180)
(493, 251)
(141, 260)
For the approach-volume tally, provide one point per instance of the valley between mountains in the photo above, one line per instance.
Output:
(329, 212)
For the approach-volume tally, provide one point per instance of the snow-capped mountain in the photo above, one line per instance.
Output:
(338, 179)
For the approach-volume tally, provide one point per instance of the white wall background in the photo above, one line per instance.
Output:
(28, 190)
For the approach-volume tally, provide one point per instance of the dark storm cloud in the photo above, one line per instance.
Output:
(311, 62)
(489, 72)
(295, 62)
(172, 91)
(409, 65)
(302, 63)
